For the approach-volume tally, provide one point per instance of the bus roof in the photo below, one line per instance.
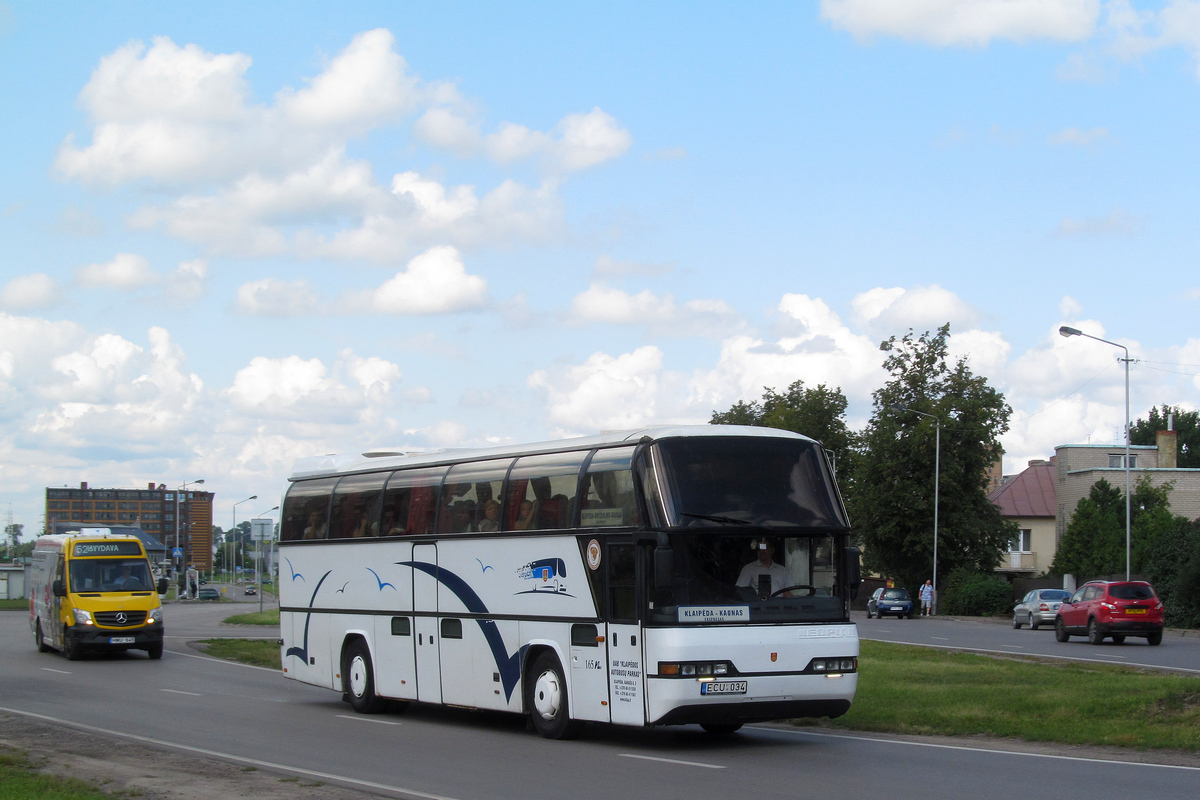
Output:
(380, 460)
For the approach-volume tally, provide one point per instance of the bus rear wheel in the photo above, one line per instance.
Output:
(358, 680)
(547, 699)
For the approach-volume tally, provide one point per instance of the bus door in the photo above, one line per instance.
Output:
(425, 624)
(626, 673)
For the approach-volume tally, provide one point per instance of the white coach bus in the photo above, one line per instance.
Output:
(663, 576)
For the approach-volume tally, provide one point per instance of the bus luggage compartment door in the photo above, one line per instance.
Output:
(425, 625)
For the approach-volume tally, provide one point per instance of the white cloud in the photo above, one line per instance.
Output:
(602, 303)
(30, 292)
(604, 393)
(271, 297)
(126, 271)
(964, 22)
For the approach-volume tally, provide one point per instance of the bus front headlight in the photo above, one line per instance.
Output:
(83, 617)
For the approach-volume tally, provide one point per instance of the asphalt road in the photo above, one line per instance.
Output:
(255, 717)
(1179, 651)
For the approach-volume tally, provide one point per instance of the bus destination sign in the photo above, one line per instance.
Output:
(107, 549)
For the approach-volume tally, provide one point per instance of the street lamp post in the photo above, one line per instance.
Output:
(1069, 332)
(181, 490)
(233, 531)
(937, 473)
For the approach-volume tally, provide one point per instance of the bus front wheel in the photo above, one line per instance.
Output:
(547, 699)
(358, 680)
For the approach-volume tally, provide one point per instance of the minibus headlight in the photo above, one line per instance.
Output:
(83, 617)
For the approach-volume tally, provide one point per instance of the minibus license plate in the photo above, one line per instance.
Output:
(723, 687)
(122, 640)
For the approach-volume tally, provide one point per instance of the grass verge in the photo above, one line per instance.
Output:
(20, 780)
(269, 617)
(257, 652)
(916, 690)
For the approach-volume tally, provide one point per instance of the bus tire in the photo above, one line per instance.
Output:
(547, 699)
(358, 679)
(41, 639)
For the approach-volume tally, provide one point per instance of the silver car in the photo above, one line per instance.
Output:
(1038, 606)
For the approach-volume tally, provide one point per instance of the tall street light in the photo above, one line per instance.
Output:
(937, 472)
(182, 489)
(1069, 332)
(233, 530)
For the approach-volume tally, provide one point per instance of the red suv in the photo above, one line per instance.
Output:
(1111, 608)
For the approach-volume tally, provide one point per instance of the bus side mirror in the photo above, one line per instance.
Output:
(854, 562)
(58, 589)
(162, 586)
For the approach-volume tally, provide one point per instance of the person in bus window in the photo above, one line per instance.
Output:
(491, 517)
(763, 566)
(526, 514)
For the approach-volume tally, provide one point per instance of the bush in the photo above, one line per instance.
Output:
(973, 594)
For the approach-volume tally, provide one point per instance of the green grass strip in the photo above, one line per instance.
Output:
(269, 617)
(257, 652)
(20, 780)
(917, 690)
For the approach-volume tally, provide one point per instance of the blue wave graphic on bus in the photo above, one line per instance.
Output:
(509, 666)
(302, 651)
(547, 574)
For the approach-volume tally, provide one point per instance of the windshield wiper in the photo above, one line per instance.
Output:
(710, 518)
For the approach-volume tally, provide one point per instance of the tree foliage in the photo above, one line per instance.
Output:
(1094, 542)
(891, 499)
(1187, 432)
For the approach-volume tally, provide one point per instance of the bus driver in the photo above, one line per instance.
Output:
(763, 567)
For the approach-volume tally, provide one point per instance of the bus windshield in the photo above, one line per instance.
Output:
(741, 578)
(110, 575)
(745, 481)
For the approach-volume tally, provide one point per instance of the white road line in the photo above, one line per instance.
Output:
(59, 671)
(367, 719)
(400, 790)
(180, 691)
(672, 761)
(1041, 655)
(977, 749)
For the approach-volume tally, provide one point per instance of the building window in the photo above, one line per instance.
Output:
(1023, 543)
(1118, 461)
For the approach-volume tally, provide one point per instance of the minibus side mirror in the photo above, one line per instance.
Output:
(162, 586)
(58, 589)
(854, 564)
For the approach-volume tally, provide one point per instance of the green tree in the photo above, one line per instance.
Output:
(1094, 541)
(1187, 432)
(818, 413)
(891, 499)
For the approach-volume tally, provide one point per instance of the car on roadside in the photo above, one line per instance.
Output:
(1038, 608)
(1111, 609)
(208, 593)
(891, 602)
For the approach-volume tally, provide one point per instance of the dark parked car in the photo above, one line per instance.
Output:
(894, 602)
(209, 593)
(1101, 609)
(1038, 607)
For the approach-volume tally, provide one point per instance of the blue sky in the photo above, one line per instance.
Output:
(238, 234)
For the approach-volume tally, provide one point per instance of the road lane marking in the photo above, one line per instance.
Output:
(367, 719)
(672, 761)
(180, 691)
(59, 671)
(310, 773)
(976, 749)
(1040, 655)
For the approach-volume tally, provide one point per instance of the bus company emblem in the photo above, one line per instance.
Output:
(546, 574)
